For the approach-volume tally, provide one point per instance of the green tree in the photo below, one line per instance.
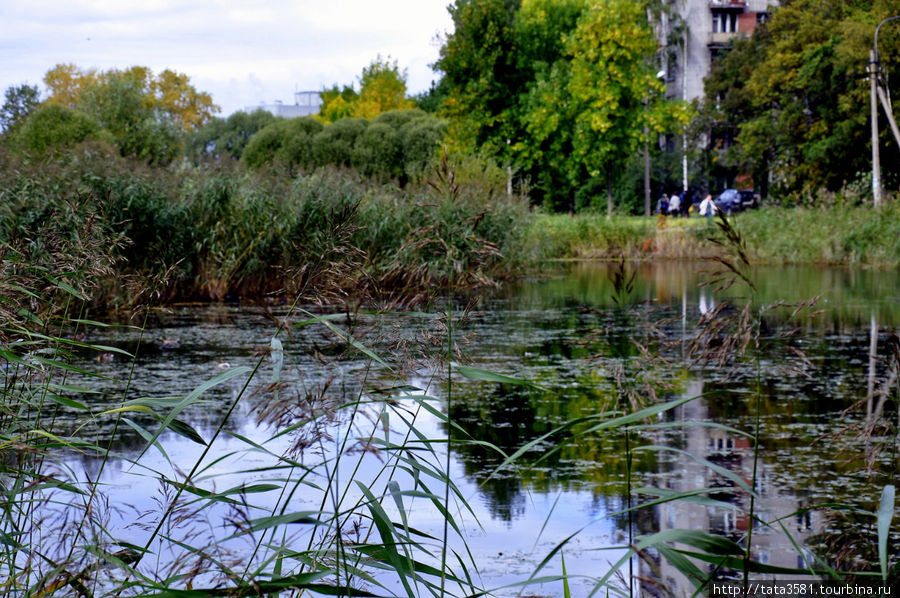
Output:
(19, 102)
(53, 127)
(794, 98)
(147, 115)
(119, 103)
(589, 114)
(227, 137)
(479, 65)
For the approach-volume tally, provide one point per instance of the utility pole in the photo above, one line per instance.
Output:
(876, 162)
(874, 92)
(646, 174)
(684, 157)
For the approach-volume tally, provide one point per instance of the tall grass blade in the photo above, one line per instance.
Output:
(347, 338)
(885, 515)
(192, 398)
(385, 530)
(567, 593)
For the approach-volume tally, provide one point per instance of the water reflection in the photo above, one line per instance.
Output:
(566, 334)
(726, 510)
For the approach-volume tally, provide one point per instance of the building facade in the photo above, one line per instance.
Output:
(306, 103)
(708, 29)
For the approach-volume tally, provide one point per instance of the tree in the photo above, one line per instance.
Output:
(19, 102)
(382, 87)
(590, 113)
(337, 103)
(795, 95)
(479, 65)
(227, 137)
(53, 127)
(147, 115)
(119, 102)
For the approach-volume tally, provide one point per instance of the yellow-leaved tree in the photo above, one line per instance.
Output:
(146, 114)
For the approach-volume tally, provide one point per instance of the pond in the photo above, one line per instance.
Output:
(322, 422)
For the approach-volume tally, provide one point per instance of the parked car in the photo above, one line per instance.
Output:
(732, 200)
(729, 201)
(749, 199)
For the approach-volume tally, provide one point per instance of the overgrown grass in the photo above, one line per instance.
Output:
(834, 234)
(853, 235)
(226, 232)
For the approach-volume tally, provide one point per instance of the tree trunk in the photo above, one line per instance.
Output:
(609, 199)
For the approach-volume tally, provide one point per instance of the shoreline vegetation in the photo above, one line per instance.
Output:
(220, 231)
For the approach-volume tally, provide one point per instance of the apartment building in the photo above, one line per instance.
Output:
(709, 27)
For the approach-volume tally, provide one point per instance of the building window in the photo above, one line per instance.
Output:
(724, 22)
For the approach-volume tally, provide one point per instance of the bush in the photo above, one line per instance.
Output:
(421, 138)
(263, 146)
(296, 148)
(227, 137)
(334, 145)
(52, 128)
(378, 152)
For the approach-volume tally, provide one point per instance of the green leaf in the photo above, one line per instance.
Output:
(307, 517)
(709, 543)
(68, 288)
(192, 398)
(67, 402)
(183, 429)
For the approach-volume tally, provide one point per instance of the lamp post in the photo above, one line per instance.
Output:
(647, 206)
(874, 93)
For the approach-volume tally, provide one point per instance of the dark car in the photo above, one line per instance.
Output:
(729, 201)
(749, 199)
(732, 200)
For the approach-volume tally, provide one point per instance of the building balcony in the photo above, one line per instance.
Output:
(728, 4)
(721, 40)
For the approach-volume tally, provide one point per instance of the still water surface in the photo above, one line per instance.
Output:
(568, 335)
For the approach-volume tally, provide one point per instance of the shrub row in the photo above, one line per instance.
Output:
(397, 145)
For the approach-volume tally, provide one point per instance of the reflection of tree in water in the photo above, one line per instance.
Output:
(510, 416)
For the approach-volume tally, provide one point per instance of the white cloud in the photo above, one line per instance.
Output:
(240, 52)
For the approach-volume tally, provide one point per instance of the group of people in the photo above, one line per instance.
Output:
(672, 206)
(676, 205)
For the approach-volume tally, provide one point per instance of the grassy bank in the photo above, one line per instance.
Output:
(841, 235)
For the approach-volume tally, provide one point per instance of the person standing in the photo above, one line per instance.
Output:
(674, 205)
(707, 207)
(662, 206)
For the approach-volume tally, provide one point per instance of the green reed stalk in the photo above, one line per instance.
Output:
(756, 434)
(446, 533)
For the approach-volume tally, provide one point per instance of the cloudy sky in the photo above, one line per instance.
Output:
(243, 53)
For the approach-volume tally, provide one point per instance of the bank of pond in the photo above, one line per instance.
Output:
(219, 231)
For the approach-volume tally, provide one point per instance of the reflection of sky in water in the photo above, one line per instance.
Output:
(541, 331)
(506, 552)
